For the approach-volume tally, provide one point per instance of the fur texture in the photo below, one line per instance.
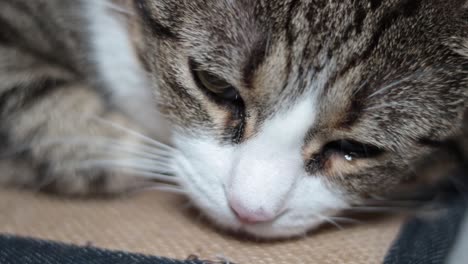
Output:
(67, 65)
(391, 75)
(316, 82)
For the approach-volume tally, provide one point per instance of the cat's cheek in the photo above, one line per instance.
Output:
(203, 167)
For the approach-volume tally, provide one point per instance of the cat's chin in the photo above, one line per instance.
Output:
(287, 226)
(272, 231)
(268, 231)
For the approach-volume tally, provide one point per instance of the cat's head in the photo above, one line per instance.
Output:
(286, 112)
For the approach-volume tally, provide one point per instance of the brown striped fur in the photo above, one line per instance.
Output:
(51, 95)
(390, 75)
(414, 52)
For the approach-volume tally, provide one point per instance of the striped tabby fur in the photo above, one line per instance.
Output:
(324, 105)
(65, 66)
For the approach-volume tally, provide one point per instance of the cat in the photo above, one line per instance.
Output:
(281, 113)
(65, 66)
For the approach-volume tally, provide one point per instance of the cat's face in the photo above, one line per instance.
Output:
(286, 112)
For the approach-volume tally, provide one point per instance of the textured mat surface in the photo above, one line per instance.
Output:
(158, 224)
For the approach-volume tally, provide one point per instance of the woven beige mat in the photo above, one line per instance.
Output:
(158, 224)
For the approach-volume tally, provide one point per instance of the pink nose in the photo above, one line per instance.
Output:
(249, 216)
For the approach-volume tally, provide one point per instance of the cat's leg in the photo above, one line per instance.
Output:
(65, 66)
(71, 142)
(59, 133)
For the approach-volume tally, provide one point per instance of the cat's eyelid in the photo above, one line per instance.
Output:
(353, 148)
(226, 95)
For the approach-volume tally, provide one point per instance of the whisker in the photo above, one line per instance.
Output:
(163, 188)
(397, 202)
(341, 175)
(167, 188)
(345, 220)
(136, 134)
(156, 176)
(330, 221)
(113, 146)
(415, 75)
(360, 87)
(142, 150)
(379, 209)
(128, 163)
(387, 105)
(142, 154)
(101, 141)
(154, 173)
(183, 165)
(148, 149)
(387, 87)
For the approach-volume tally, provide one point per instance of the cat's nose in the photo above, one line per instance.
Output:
(250, 215)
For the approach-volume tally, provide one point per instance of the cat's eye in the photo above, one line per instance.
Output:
(224, 94)
(351, 150)
(216, 85)
(217, 88)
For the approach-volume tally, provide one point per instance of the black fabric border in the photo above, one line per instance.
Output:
(18, 250)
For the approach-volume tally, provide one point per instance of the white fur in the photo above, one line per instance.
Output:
(119, 69)
(267, 166)
(266, 172)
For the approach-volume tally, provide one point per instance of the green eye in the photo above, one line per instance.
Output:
(217, 86)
